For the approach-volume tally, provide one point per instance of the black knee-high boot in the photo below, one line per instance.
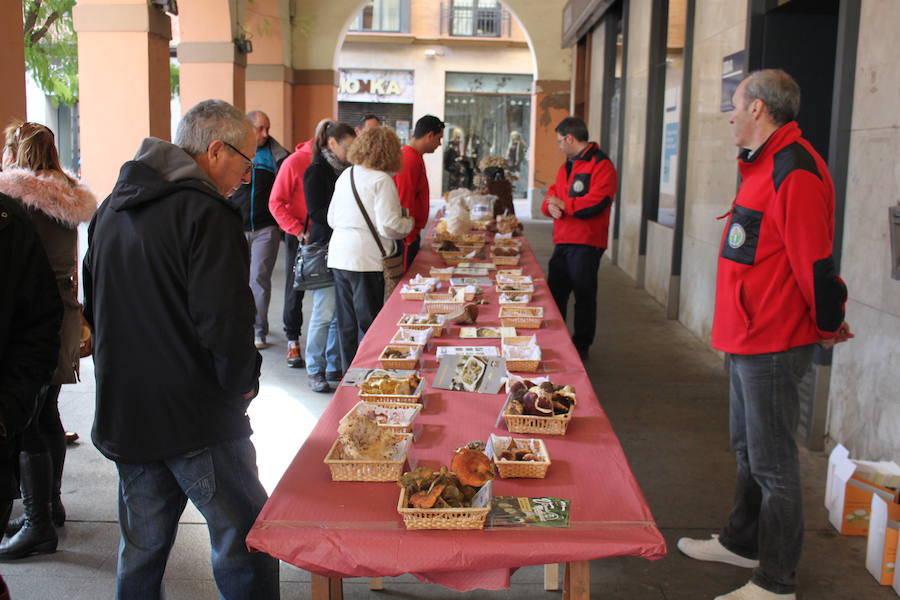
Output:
(56, 446)
(37, 535)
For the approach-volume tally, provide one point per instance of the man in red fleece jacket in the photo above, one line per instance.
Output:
(412, 180)
(777, 296)
(579, 202)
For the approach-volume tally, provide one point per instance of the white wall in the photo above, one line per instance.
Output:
(865, 385)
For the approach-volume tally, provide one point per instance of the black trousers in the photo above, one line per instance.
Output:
(293, 300)
(46, 421)
(412, 249)
(358, 298)
(573, 269)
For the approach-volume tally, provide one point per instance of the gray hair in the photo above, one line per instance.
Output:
(253, 114)
(778, 91)
(208, 121)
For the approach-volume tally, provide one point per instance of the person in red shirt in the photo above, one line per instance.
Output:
(778, 296)
(412, 181)
(579, 202)
(288, 205)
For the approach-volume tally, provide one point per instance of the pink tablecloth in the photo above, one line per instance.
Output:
(340, 529)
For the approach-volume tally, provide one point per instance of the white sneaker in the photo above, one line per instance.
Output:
(713, 550)
(751, 591)
(260, 342)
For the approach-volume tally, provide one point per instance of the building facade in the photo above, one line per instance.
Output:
(465, 61)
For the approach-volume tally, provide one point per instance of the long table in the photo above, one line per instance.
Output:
(347, 529)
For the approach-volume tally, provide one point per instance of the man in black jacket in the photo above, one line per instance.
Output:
(260, 228)
(30, 318)
(166, 293)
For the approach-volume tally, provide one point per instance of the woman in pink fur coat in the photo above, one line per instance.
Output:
(57, 203)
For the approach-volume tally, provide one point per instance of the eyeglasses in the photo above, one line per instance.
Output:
(249, 166)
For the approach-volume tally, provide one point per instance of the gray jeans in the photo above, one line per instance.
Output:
(263, 245)
(766, 521)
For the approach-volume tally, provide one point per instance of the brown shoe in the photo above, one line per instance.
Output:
(294, 359)
(71, 438)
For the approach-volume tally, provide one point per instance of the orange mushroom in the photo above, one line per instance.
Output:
(427, 499)
(472, 467)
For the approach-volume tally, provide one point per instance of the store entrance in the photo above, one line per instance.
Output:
(396, 116)
(800, 36)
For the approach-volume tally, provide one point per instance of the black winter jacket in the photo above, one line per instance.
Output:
(30, 317)
(166, 293)
(253, 198)
(318, 187)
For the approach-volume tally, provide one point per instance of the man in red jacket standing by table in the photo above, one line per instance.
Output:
(777, 296)
(412, 180)
(579, 202)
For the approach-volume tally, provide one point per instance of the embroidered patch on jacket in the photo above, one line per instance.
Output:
(736, 236)
(743, 235)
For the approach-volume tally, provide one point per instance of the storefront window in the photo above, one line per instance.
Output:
(671, 124)
(486, 115)
(383, 15)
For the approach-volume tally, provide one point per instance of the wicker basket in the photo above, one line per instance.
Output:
(452, 259)
(510, 272)
(436, 328)
(441, 518)
(510, 318)
(366, 470)
(521, 365)
(506, 260)
(401, 363)
(468, 295)
(525, 469)
(391, 400)
(526, 298)
(440, 304)
(541, 425)
(399, 428)
(419, 341)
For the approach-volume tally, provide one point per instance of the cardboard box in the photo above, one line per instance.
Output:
(848, 496)
(881, 551)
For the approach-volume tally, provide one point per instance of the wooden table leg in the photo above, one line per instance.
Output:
(326, 588)
(551, 577)
(376, 583)
(577, 584)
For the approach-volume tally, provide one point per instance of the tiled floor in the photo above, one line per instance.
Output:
(665, 393)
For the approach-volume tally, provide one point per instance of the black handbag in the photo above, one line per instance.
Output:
(311, 270)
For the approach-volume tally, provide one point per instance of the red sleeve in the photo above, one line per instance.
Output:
(600, 194)
(288, 186)
(804, 216)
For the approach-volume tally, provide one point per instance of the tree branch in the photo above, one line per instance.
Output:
(37, 35)
(32, 15)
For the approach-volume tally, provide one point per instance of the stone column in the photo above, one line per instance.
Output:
(550, 104)
(12, 67)
(211, 70)
(123, 71)
(315, 98)
(269, 89)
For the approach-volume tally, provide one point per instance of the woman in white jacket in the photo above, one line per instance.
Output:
(353, 253)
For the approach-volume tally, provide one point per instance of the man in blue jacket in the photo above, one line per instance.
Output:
(260, 228)
(166, 294)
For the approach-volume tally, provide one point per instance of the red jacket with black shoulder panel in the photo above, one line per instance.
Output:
(777, 286)
(587, 184)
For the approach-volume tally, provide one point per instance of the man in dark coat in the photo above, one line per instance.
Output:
(166, 293)
(30, 318)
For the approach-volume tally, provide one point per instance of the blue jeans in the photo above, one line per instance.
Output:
(222, 482)
(322, 350)
(766, 521)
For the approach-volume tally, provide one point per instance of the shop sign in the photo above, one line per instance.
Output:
(371, 85)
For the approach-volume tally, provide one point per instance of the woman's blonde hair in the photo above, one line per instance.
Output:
(377, 148)
(33, 147)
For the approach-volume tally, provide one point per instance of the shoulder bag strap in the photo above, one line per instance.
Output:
(366, 215)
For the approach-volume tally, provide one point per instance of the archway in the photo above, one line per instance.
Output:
(321, 25)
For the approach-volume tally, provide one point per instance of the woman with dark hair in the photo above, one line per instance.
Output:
(56, 203)
(353, 254)
(323, 355)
